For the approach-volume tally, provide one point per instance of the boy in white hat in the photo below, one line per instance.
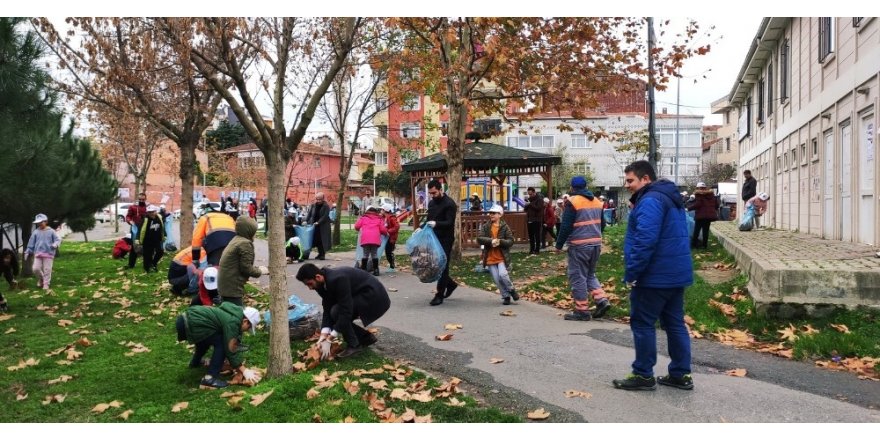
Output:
(496, 238)
(42, 245)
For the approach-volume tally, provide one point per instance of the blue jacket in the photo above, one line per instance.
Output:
(656, 250)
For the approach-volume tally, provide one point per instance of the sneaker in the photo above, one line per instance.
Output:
(578, 315)
(350, 351)
(634, 382)
(683, 383)
(3, 307)
(210, 382)
(514, 295)
(438, 299)
(602, 308)
(449, 290)
(506, 301)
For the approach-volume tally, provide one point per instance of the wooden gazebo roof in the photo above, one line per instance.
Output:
(485, 159)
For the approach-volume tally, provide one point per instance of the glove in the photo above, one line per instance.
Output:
(249, 374)
(264, 270)
(431, 224)
(217, 300)
(196, 253)
(324, 345)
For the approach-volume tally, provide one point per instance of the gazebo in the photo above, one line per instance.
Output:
(484, 160)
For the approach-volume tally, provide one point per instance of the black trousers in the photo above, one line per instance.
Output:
(389, 254)
(178, 278)
(701, 227)
(353, 334)
(445, 280)
(153, 252)
(534, 237)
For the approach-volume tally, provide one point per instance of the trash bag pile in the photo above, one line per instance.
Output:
(305, 234)
(426, 254)
(747, 222)
(303, 319)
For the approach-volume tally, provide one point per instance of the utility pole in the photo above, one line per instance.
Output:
(677, 119)
(652, 130)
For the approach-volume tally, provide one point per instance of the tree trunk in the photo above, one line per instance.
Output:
(337, 236)
(455, 154)
(187, 164)
(27, 266)
(280, 363)
(85, 237)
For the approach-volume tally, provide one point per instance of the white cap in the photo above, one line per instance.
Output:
(701, 185)
(291, 210)
(162, 206)
(253, 316)
(601, 197)
(388, 207)
(152, 208)
(546, 200)
(559, 200)
(497, 208)
(294, 241)
(474, 195)
(764, 196)
(684, 193)
(209, 277)
(40, 218)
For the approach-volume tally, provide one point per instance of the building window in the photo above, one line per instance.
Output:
(794, 161)
(815, 148)
(411, 103)
(251, 160)
(444, 129)
(784, 70)
(316, 162)
(770, 89)
(381, 158)
(383, 131)
(761, 101)
(411, 131)
(803, 154)
(381, 104)
(857, 21)
(536, 141)
(579, 141)
(488, 127)
(727, 145)
(826, 37)
(778, 164)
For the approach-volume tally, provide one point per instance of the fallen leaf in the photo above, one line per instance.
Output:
(116, 404)
(312, 393)
(738, 372)
(23, 364)
(576, 393)
(316, 418)
(424, 396)
(54, 398)
(100, 408)
(839, 327)
(64, 322)
(508, 313)
(788, 333)
(259, 398)
(453, 326)
(62, 378)
(349, 419)
(229, 394)
(443, 337)
(496, 360)
(72, 354)
(809, 330)
(9, 330)
(455, 402)
(399, 393)
(6, 317)
(179, 406)
(378, 385)
(125, 414)
(20, 396)
(408, 416)
(85, 342)
(538, 414)
(352, 387)
(688, 320)
(63, 362)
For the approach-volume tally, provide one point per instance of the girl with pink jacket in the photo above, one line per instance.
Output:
(372, 227)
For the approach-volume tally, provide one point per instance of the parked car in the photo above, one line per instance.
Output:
(104, 215)
(197, 207)
(121, 209)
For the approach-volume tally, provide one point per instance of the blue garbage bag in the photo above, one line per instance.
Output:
(747, 222)
(297, 310)
(608, 214)
(170, 245)
(306, 234)
(426, 254)
(359, 250)
(691, 223)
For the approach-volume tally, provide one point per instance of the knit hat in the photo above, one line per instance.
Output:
(578, 182)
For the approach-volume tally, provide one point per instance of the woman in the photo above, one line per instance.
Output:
(705, 207)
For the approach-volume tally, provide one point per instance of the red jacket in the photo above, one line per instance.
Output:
(135, 214)
(705, 205)
(549, 214)
(393, 226)
(121, 248)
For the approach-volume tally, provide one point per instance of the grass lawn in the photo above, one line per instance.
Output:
(104, 334)
(719, 310)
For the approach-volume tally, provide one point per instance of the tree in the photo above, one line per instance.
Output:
(632, 145)
(538, 64)
(718, 172)
(226, 135)
(128, 65)
(569, 168)
(395, 183)
(289, 58)
(128, 140)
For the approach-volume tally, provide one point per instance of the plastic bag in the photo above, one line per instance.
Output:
(691, 223)
(426, 254)
(305, 234)
(747, 222)
(359, 250)
(296, 310)
(608, 214)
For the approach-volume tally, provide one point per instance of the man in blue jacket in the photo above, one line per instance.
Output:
(658, 267)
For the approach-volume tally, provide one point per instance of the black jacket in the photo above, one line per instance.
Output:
(535, 208)
(750, 189)
(443, 211)
(357, 293)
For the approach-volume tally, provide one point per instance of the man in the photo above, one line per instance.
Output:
(151, 237)
(534, 218)
(319, 215)
(213, 232)
(237, 262)
(581, 229)
(134, 217)
(441, 217)
(9, 268)
(219, 327)
(750, 186)
(182, 270)
(346, 294)
(657, 267)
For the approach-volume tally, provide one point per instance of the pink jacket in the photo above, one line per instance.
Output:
(760, 205)
(372, 227)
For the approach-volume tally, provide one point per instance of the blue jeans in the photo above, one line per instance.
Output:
(646, 306)
(217, 357)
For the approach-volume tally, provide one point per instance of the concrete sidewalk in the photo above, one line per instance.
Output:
(544, 356)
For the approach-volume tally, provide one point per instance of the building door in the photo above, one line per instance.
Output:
(867, 161)
(828, 230)
(846, 189)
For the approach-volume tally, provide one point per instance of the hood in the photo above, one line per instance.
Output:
(582, 192)
(704, 193)
(668, 189)
(246, 227)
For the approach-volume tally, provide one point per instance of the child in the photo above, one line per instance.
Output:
(496, 238)
(122, 248)
(292, 250)
(759, 202)
(372, 227)
(393, 226)
(151, 236)
(9, 267)
(42, 245)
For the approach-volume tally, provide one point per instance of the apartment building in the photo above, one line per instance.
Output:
(805, 103)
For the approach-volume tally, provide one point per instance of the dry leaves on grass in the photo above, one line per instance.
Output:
(125, 414)
(54, 398)
(455, 402)
(863, 367)
(64, 322)
(136, 347)
(452, 326)
(179, 406)
(62, 378)
(20, 395)
(789, 333)
(9, 330)
(443, 337)
(351, 386)
(841, 328)
(737, 372)
(576, 393)
(538, 414)
(728, 310)
(260, 398)
(6, 317)
(101, 407)
(23, 364)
